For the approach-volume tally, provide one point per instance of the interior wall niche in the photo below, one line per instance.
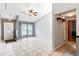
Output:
(8, 26)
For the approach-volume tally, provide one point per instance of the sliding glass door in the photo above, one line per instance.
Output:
(26, 29)
(30, 29)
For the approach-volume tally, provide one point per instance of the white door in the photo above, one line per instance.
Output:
(8, 30)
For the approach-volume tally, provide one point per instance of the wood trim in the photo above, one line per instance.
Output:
(66, 25)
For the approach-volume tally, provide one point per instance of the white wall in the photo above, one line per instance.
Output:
(58, 33)
(44, 29)
(62, 7)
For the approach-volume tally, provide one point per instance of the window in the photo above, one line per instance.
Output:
(30, 30)
(26, 29)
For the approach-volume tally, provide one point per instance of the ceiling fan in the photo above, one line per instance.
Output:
(31, 12)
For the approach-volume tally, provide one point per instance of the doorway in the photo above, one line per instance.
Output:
(72, 30)
(8, 30)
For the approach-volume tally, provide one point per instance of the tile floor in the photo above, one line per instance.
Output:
(29, 48)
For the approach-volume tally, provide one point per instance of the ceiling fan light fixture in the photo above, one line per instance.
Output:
(31, 12)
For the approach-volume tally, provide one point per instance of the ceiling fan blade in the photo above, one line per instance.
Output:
(35, 14)
(31, 11)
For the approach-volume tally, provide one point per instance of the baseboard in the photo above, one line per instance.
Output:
(59, 45)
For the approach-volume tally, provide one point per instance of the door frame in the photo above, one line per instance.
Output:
(68, 29)
(2, 27)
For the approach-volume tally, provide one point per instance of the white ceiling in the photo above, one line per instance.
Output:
(14, 9)
(63, 7)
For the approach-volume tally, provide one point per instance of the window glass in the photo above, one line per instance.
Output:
(30, 29)
(24, 30)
